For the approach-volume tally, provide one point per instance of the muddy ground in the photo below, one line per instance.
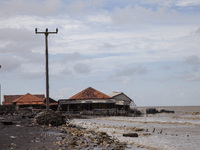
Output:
(19, 132)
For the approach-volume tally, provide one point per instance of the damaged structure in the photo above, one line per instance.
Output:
(29, 100)
(92, 101)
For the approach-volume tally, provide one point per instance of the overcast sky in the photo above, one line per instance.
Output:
(148, 49)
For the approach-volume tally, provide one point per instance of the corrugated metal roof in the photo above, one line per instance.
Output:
(115, 94)
(90, 93)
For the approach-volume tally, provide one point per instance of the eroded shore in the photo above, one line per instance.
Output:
(19, 132)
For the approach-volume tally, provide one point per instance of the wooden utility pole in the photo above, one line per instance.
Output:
(46, 33)
(0, 90)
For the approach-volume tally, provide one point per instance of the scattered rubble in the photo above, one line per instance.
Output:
(80, 138)
(6, 109)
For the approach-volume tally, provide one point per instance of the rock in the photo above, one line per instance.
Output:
(166, 111)
(7, 122)
(49, 117)
(145, 134)
(130, 135)
(136, 112)
(151, 111)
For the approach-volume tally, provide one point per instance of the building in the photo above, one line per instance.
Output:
(88, 99)
(29, 100)
(91, 99)
(8, 99)
(122, 101)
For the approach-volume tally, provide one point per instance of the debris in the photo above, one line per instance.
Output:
(49, 117)
(161, 132)
(151, 111)
(130, 135)
(166, 111)
(13, 137)
(195, 113)
(7, 122)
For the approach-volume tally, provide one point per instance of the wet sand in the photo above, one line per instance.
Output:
(161, 131)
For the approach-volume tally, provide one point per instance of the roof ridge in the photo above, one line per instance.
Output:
(18, 98)
(90, 93)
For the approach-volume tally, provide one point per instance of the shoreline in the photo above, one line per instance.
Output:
(162, 131)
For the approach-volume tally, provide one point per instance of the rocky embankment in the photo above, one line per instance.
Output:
(80, 138)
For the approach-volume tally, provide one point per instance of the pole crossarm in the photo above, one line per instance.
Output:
(46, 33)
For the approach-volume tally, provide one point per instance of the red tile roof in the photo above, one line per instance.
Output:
(90, 93)
(29, 99)
(8, 99)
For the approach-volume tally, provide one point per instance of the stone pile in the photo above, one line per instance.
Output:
(80, 138)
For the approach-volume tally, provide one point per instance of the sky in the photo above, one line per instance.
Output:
(147, 49)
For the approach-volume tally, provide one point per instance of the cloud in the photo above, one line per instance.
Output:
(71, 57)
(126, 80)
(186, 3)
(31, 75)
(190, 77)
(166, 67)
(31, 7)
(9, 63)
(80, 8)
(192, 60)
(196, 32)
(81, 68)
(130, 71)
(138, 15)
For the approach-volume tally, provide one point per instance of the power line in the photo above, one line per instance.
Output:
(46, 33)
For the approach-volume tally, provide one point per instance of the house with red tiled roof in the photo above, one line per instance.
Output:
(91, 99)
(88, 99)
(8, 99)
(29, 100)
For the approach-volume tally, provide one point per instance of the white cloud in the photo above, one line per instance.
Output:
(81, 68)
(184, 3)
(9, 63)
(131, 71)
(32, 7)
